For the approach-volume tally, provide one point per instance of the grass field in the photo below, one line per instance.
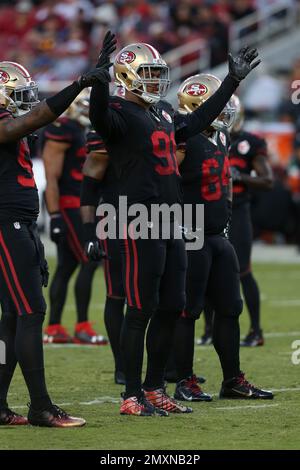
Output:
(81, 379)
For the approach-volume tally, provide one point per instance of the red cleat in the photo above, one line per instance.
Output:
(139, 407)
(10, 418)
(160, 399)
(85, 334)
(56, 334)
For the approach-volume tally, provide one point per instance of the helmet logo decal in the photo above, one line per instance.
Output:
(196, 89)
(126, 57)
(4, 77)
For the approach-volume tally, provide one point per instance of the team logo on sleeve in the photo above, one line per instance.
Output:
(4, 77)
(196, 89)
(126, 57)
(243, 147)
(223, 138)
(166, 116)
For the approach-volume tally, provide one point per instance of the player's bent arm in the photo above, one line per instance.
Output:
(44, 113)
(53, 157)
(93, 173)
(108, 122)
(264, 178)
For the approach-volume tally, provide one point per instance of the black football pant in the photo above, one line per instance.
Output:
(241, 238)
(70, 255)
(22, 272)
(115, 298)
(154, 278)
(212, 274)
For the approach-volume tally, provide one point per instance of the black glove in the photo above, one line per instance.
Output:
(58, 227)
(92, 248)
(235, 174)
(240, 66)
(98, 75)
(108, 47)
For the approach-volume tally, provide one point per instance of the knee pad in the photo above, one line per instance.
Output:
(137, 318)
(32, 320)
(233, 310)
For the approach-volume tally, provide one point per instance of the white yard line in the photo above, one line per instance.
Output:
(229, 408)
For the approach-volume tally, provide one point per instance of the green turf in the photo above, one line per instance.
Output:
(77, 376)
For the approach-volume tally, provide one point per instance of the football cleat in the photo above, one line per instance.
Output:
(119, 377)
(160, 399)
(10, 418)
(239, 387)
(139, 407)
(53, 417)
(85, 334)
(205, 340)
(56, 334)
(172, 377)
(253, 338)
(189, 390)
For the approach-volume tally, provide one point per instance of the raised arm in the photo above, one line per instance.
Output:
(49, 109)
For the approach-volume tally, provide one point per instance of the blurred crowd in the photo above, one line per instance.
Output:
(58, 39)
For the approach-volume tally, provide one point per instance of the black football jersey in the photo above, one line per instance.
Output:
(71, 132)
(109, 186)
(144, 153)
(18, 192)
(243, 149)
(205, 178)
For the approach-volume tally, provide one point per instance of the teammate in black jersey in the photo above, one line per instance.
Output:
(98, 171)
(213, 271)
(23, 268)
(139, 134)
(64, 153)
(248, 152)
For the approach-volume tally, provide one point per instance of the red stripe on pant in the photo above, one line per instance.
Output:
(107, 269)
(75, 239)
(14, 275)
(10, 288)
(135, 272)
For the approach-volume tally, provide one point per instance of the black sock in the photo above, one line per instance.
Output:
(83, 289)
(58, 291)
(184, 340)
(251, 294)
(159, 341)
(8, 325)
(29, 351)
(226, 340)
(113, 318)
(132, 348)
(208, 315)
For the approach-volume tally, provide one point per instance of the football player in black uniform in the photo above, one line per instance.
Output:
(248, 152)
(139, 134)
(64, 153)
(23, 267)
(213, 271)
(99, 171)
